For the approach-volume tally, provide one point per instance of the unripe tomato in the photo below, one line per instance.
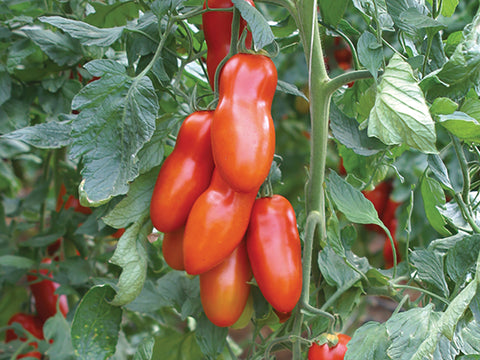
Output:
(274, 250)
(243, 135)
(324, 352)
(217, 28)
(216, 225)
(30, 323)
(172, 248)
(44, 294)
(224, 289)
(184, 175)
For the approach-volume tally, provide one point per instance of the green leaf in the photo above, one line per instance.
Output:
(396, 8)
(443, 106)
(351, 202)
(136, 204)
(110, 15)
(5, 86)
(469, 338)
(61, 48)
(462, 258)
(18, 262)
(211, 339)
(50, 135)
(448, 7)
(261, 32)
(332, 11)
(85, 33)
(57, 331)
(369, 342)
(130, 255)
(96, 325)
(336, 271)
(370, 53)
(145, 349)
(153, 152)
(422, 21)
(462, 126)
(289, 88)
(172, 345)
(439, 169)
(376, 9)
(117, 117)
(346, 130)
(400, 114)
(430, 269)
(433, 197)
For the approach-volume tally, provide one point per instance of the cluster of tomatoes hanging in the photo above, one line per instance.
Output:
(205, 198)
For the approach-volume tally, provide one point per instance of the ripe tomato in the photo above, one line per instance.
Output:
(118, 234)
(184, 175)
(44, 294)
(172, 248)
(224, 289)
(216, 225)
(282, 316)
(71, 202)
(217, 28)
(30, 323)
(379, 197)
(324, 352)
(274, 250)
(243, 135)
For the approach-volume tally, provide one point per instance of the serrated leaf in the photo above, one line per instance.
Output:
(434, 197)
(145, 349)
(412, 15)
(289, 88)
(440, 171)
(462, 126)
(351, 202)
(462, 258)
(261, 32)
(117, 117)
(50, 135)
(210, 338)
(369, 342)
(96, 325)
(57, 331)
(346, 130)
(87, 34)
(430, 269)
(336, 271)
(400, 114)
(136, 204)
(370, 53)
(61, 48)
(131, 257)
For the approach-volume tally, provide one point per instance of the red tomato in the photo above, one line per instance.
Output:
(387, 246)
(324, 352)
(184, 175)
(243, 135)
(343, 56)
(118, 234)
(274, 251)
(388, 215)
(45, 297)
(216, 225)
(341, 169)
(172, 248)
(224, 289)
(379, 197)
(282, 316)
(30, 323)
(71, 202)
(217, 28)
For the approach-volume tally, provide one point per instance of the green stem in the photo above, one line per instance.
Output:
(338, 293)
(464, 167)
(427, 53)
(429, 293)
(466, 214)
(345, 78)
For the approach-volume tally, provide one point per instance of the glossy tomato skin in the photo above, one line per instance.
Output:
(324, 352)
(243, 135)
(30, 323)
(184, 175)
(274, 250)
(216, 225)
(224, 289)
(217, 28)
(44, 294)
(172, 248)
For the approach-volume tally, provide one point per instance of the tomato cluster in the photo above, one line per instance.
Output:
(45, 299)
(386, 208)
(205, 198)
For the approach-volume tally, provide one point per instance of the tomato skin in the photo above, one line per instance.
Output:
(243, 135)
(216, 225)
(44, 295)
(217, 28)
(172, 248)
(30, 323)
(71, 202)
(379, 197)
(274, 250)
(118, 234)
(184, 175)
(224, 290)
(324, 352)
